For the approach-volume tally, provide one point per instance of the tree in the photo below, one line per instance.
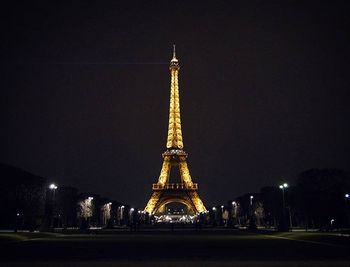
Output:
(22, 195)
(272, 199)
(320, 194)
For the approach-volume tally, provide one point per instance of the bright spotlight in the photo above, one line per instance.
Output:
(53, 186)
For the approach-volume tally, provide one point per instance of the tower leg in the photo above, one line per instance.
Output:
(152, 202)
(165, 172)
(197, 201)
(185, 173)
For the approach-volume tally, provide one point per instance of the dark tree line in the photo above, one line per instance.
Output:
(319, 197)
(22, 198)
(317, 200)
(27, 203)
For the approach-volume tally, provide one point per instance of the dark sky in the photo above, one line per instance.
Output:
(263, 88)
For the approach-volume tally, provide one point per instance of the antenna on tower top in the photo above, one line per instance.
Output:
(174, 61)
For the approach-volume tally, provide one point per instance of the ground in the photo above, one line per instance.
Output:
(177, 248)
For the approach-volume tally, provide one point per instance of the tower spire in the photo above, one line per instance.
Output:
(174, 61)
(174, 139)
(174, 52)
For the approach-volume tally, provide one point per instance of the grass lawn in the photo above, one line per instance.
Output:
(176, 247)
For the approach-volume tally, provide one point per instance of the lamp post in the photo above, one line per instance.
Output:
(90, 211)
(106, 215)
(234, 213)
(215, 216)
(283, 187)
(252, 223)
(53, 187)
(132, 221)
(234, 206)
(121, 214)
(221, 215)
(347, 198)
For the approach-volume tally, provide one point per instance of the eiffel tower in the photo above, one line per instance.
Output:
(164, 192)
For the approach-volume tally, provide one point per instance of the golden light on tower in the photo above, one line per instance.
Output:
(165, 192)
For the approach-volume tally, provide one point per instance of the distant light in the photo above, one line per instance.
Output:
(123, 207)
(233, 202)
(53, 186)
(347, 195)
(90, 198)
(222, 206)
(132, 209)
(251, 197)
(214, 208)
(109, 203)
(282, 186)
(18, 214)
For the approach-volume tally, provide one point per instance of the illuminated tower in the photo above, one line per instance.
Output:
(165, 192)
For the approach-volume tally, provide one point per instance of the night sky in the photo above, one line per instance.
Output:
(263, 88)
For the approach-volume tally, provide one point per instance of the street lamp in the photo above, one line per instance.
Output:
(121, 214)
(252, 224)
(53, 188)
(283, 186)
(215, 216)
(347, 197)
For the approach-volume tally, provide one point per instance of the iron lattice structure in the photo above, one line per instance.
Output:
(164, 192)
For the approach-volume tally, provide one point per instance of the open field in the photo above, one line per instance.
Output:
(214, 248)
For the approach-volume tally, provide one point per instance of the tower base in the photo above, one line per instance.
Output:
(174, 193)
